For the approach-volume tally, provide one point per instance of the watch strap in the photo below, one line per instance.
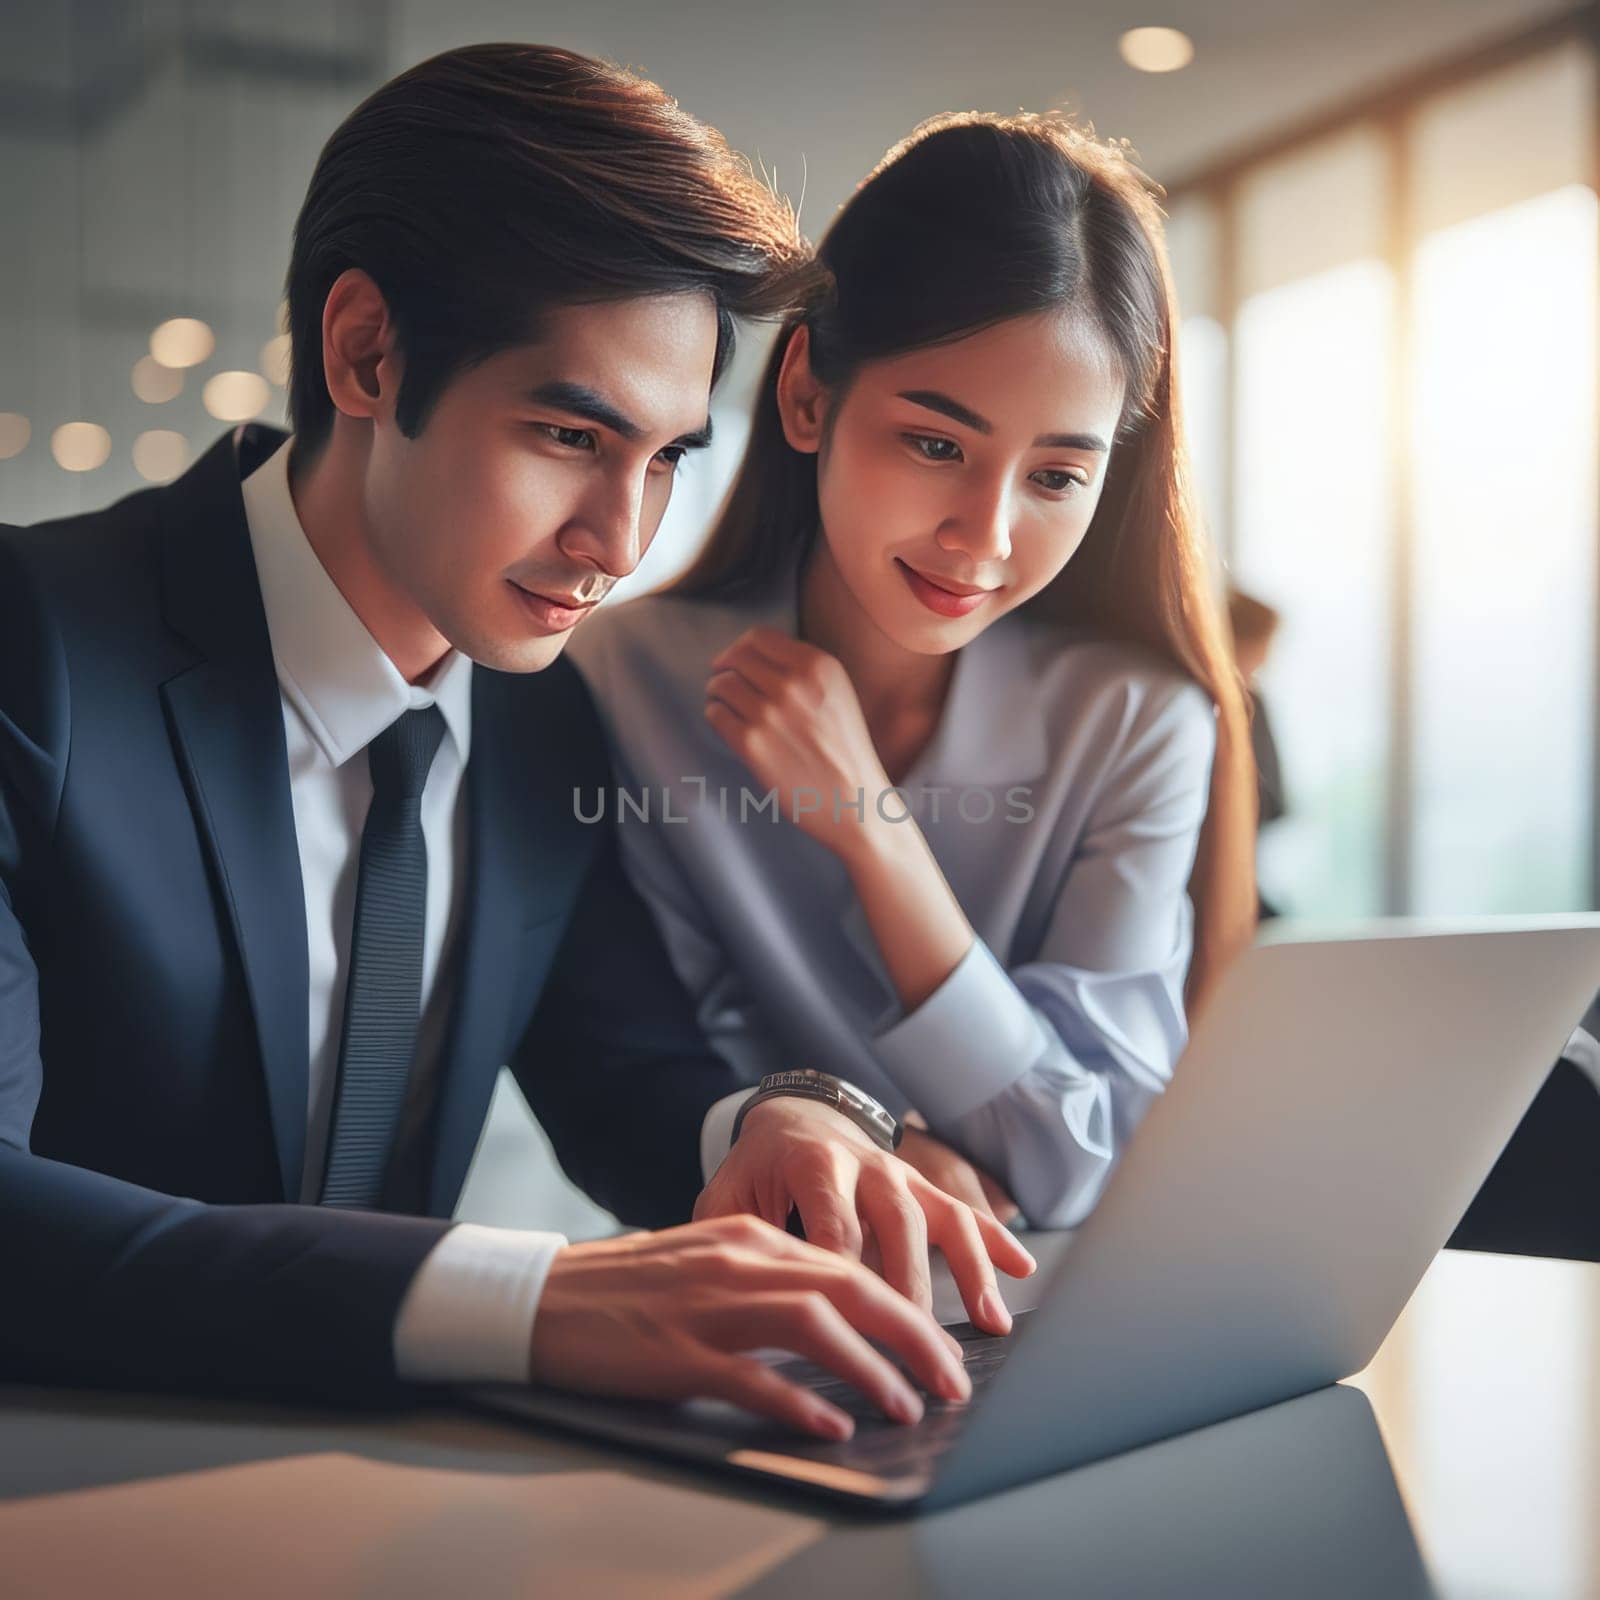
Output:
(874, 1120)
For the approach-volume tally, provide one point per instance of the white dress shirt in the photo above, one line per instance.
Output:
(1046, 1044)
(469, 1312)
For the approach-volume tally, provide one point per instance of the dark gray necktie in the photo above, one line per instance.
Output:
(383, 1002)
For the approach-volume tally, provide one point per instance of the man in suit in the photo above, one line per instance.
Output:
(289, 864)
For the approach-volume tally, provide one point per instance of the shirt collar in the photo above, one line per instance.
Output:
(992, 730)
(329, 667)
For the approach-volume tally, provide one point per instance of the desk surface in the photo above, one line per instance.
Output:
(1465, 1462)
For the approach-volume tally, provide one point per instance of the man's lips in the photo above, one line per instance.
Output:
(943, 595)
(557, 612)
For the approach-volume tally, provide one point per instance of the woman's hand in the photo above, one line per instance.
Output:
(947, 1169)
(789, 711)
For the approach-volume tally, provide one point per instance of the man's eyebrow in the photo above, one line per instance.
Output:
(580, 400)
(945, 405)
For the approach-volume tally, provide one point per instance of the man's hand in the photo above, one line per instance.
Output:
(666, 1316)
(952, 1172)
(801, 1154)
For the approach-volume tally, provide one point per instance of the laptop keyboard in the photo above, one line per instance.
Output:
(881, 1445)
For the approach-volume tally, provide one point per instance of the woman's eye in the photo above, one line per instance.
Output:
(1058, 482)
(934, 448)
(571, 438)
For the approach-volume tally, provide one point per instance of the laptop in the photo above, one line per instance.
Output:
(1338, 1107)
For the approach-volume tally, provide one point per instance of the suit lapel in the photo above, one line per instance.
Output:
(226, 717)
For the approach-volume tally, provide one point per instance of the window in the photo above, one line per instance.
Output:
(1394, 418)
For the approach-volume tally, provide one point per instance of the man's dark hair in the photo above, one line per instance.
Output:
(495, 182)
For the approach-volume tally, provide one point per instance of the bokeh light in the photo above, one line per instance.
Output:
(15, 432)
(182, 342)
(154, 383)
(160, 455)
(236, 396)
(275, 360)
(80, 446)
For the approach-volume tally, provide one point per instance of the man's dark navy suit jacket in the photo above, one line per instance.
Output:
(154, 989)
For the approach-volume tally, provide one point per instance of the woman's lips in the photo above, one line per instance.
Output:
(937, 599)
(550, 615)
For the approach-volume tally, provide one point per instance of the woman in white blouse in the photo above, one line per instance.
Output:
(927, 734)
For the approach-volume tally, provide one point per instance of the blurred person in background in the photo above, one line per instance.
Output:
(960, 561)
(1254, 625)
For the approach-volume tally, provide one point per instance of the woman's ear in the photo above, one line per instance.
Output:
(359, 359)
(802, 399)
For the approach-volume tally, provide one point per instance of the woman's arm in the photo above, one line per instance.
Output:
(1037, 1074)
(1041, 1072)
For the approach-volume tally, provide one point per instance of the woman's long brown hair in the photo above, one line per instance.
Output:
(972, 220)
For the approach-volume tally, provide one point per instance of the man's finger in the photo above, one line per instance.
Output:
(1005, 1249)
(827, 1206)
(808, 1323)
(746, 1382)
(955, 1229)
(901, 1229)
(886, 1317)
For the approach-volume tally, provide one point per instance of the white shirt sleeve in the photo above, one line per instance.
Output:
(468, 1314)
(716, 1132)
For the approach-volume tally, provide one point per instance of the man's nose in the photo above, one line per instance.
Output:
(608, 531)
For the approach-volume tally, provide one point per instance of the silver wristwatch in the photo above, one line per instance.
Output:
(874, 1120)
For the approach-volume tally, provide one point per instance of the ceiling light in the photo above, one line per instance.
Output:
(1156, 49)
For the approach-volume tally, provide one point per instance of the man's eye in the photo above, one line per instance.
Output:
(1059, 482)
(672, 455)
(571, 438)
(934, 448)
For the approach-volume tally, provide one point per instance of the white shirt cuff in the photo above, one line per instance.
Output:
(468, 1314)
(716, 1132)
(974, 1036)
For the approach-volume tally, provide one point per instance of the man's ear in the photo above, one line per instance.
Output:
(802, 398)
(360, 359)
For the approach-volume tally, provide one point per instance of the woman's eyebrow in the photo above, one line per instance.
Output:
(947, 406)
(1070, 441)
(934, 400)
